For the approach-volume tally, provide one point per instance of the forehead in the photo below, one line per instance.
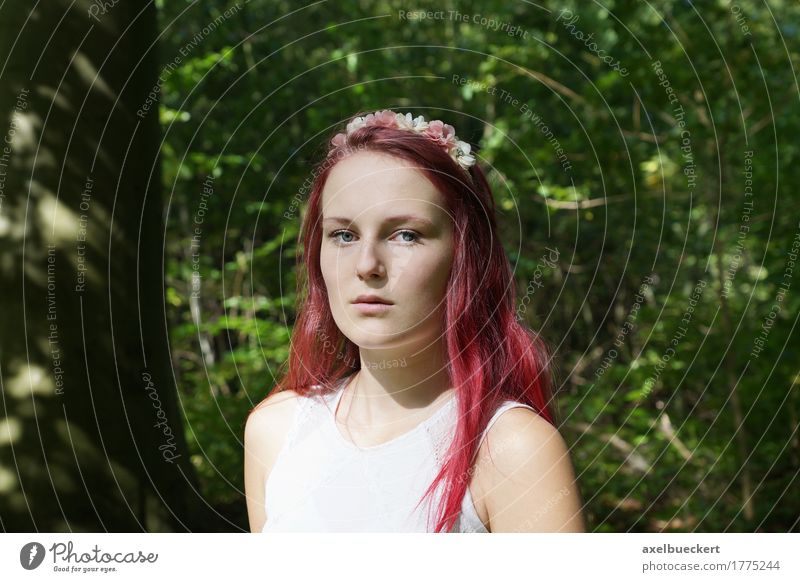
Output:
(374, 182)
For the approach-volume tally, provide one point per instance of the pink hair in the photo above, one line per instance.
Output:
(491, 356)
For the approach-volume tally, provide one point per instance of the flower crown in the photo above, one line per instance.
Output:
(441, 133)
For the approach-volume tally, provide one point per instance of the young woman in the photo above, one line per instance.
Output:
(414, 400)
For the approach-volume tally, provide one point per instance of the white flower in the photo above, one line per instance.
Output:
(419, 124)
(465, 161)
(462, 156)
(356, 123)
(405, 121)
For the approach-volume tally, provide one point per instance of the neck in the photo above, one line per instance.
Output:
(396, 381)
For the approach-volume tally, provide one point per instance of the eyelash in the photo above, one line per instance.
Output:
(340, 242)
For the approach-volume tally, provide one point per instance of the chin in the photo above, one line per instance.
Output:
(373, 336)
(371, 341)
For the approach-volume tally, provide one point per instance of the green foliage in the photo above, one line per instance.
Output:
(662, 440)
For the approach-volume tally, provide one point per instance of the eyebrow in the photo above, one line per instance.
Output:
(389, 220)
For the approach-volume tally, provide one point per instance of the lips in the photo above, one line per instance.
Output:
(371, 299)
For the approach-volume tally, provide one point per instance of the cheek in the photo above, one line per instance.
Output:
(430, 279)
(440, 279)
(331, 274)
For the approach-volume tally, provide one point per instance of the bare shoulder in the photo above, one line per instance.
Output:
(526, 475)
(270, 419)
(519, 433)
(275, 404)
(264, 434)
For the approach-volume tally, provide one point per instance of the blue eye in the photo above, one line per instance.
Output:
(410, 232)
(338, 232)
(335, 236)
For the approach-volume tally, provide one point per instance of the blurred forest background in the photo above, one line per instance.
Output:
(644, 157)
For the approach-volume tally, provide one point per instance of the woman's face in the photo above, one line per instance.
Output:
(386, 233)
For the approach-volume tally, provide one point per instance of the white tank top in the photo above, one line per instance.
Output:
(322, 482)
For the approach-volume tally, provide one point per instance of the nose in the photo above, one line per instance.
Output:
(370, 263)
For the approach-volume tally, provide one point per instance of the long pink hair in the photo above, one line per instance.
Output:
(491, 356)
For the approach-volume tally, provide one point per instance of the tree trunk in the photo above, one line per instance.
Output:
(91, 437)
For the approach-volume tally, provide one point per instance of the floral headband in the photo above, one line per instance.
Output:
(441, 133)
